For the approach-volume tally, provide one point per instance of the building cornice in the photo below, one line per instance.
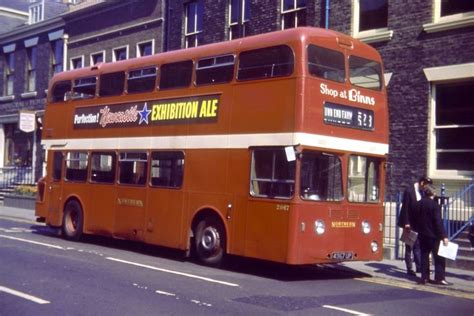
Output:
(31, 30)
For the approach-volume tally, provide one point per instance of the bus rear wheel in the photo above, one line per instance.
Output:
(210, 241)
(73, 221)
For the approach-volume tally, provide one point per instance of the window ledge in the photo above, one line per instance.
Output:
(7, 98)
(372, 36)
(28, 95)
(448, 24)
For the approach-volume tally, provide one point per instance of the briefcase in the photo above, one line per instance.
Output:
(409, 237)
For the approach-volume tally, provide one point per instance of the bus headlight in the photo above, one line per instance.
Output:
(374, 246)
(365, 227)
(319, 227)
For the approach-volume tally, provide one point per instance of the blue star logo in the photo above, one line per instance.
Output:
(144, 115)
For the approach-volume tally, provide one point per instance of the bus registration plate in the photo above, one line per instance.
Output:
(341, 255)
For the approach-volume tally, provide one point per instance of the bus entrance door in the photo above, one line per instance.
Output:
(54, 188)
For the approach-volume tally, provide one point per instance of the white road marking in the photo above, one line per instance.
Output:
(16, 230)
(350, 311)
(33, 242)
(164, 293)
(23, 295)
(173, 272)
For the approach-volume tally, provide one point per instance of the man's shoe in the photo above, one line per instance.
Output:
(411, 272)
(441, 282)
(423, 281)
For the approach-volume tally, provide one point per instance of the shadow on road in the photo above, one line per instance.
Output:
(237, 264)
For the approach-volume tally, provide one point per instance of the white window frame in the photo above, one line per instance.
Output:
(114, 59)
(30, 70)
(449, 22)
(288, 12)
(152, 41)
(195, 31)
(9, 86)
(71, 62)
(242, 19)
(369, 36)
(102, 52)
(438, 75)
(36, 12)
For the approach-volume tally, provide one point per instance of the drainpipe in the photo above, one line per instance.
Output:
(327, 14)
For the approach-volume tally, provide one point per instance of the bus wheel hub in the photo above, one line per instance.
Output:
(210, 239)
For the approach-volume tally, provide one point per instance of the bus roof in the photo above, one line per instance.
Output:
(301, 35)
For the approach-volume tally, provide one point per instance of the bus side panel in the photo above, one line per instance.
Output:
(238, 183)
(267, 230)
(101, 208)
(130, 209)
(164, 218)
(264, 107)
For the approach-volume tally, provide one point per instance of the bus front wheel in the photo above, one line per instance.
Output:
(73, 221)
(210, 241)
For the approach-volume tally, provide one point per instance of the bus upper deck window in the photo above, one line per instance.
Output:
(112, 84)
(263, 63)
(365, 73)
(215, 70)
(61, 91)
(176, 75)
(326, 63)
(84, 88)
(141, 80)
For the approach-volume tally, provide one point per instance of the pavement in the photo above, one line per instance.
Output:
(388, 272)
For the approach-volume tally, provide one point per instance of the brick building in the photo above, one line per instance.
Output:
(27, 61)
(428, 50)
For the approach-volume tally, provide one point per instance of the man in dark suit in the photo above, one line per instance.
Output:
(430, 233)
(407, 221)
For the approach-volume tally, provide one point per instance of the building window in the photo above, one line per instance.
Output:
(194, 18)
(31, 69)
(239, 15)
(293, 13)
(57, 56)
(450, 14)
(370, 20)
(9, 73)
(454, 119)
(97, 58)
(77, 62)
(145, 48)
(120, 53)
(36, 11)
(451, 151)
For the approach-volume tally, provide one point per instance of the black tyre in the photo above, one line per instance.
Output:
(210, 241)
(73, 221)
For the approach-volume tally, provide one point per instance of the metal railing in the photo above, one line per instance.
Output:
(458, 210)
(12, 176)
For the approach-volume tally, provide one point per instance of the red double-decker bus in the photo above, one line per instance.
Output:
(271, 147)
